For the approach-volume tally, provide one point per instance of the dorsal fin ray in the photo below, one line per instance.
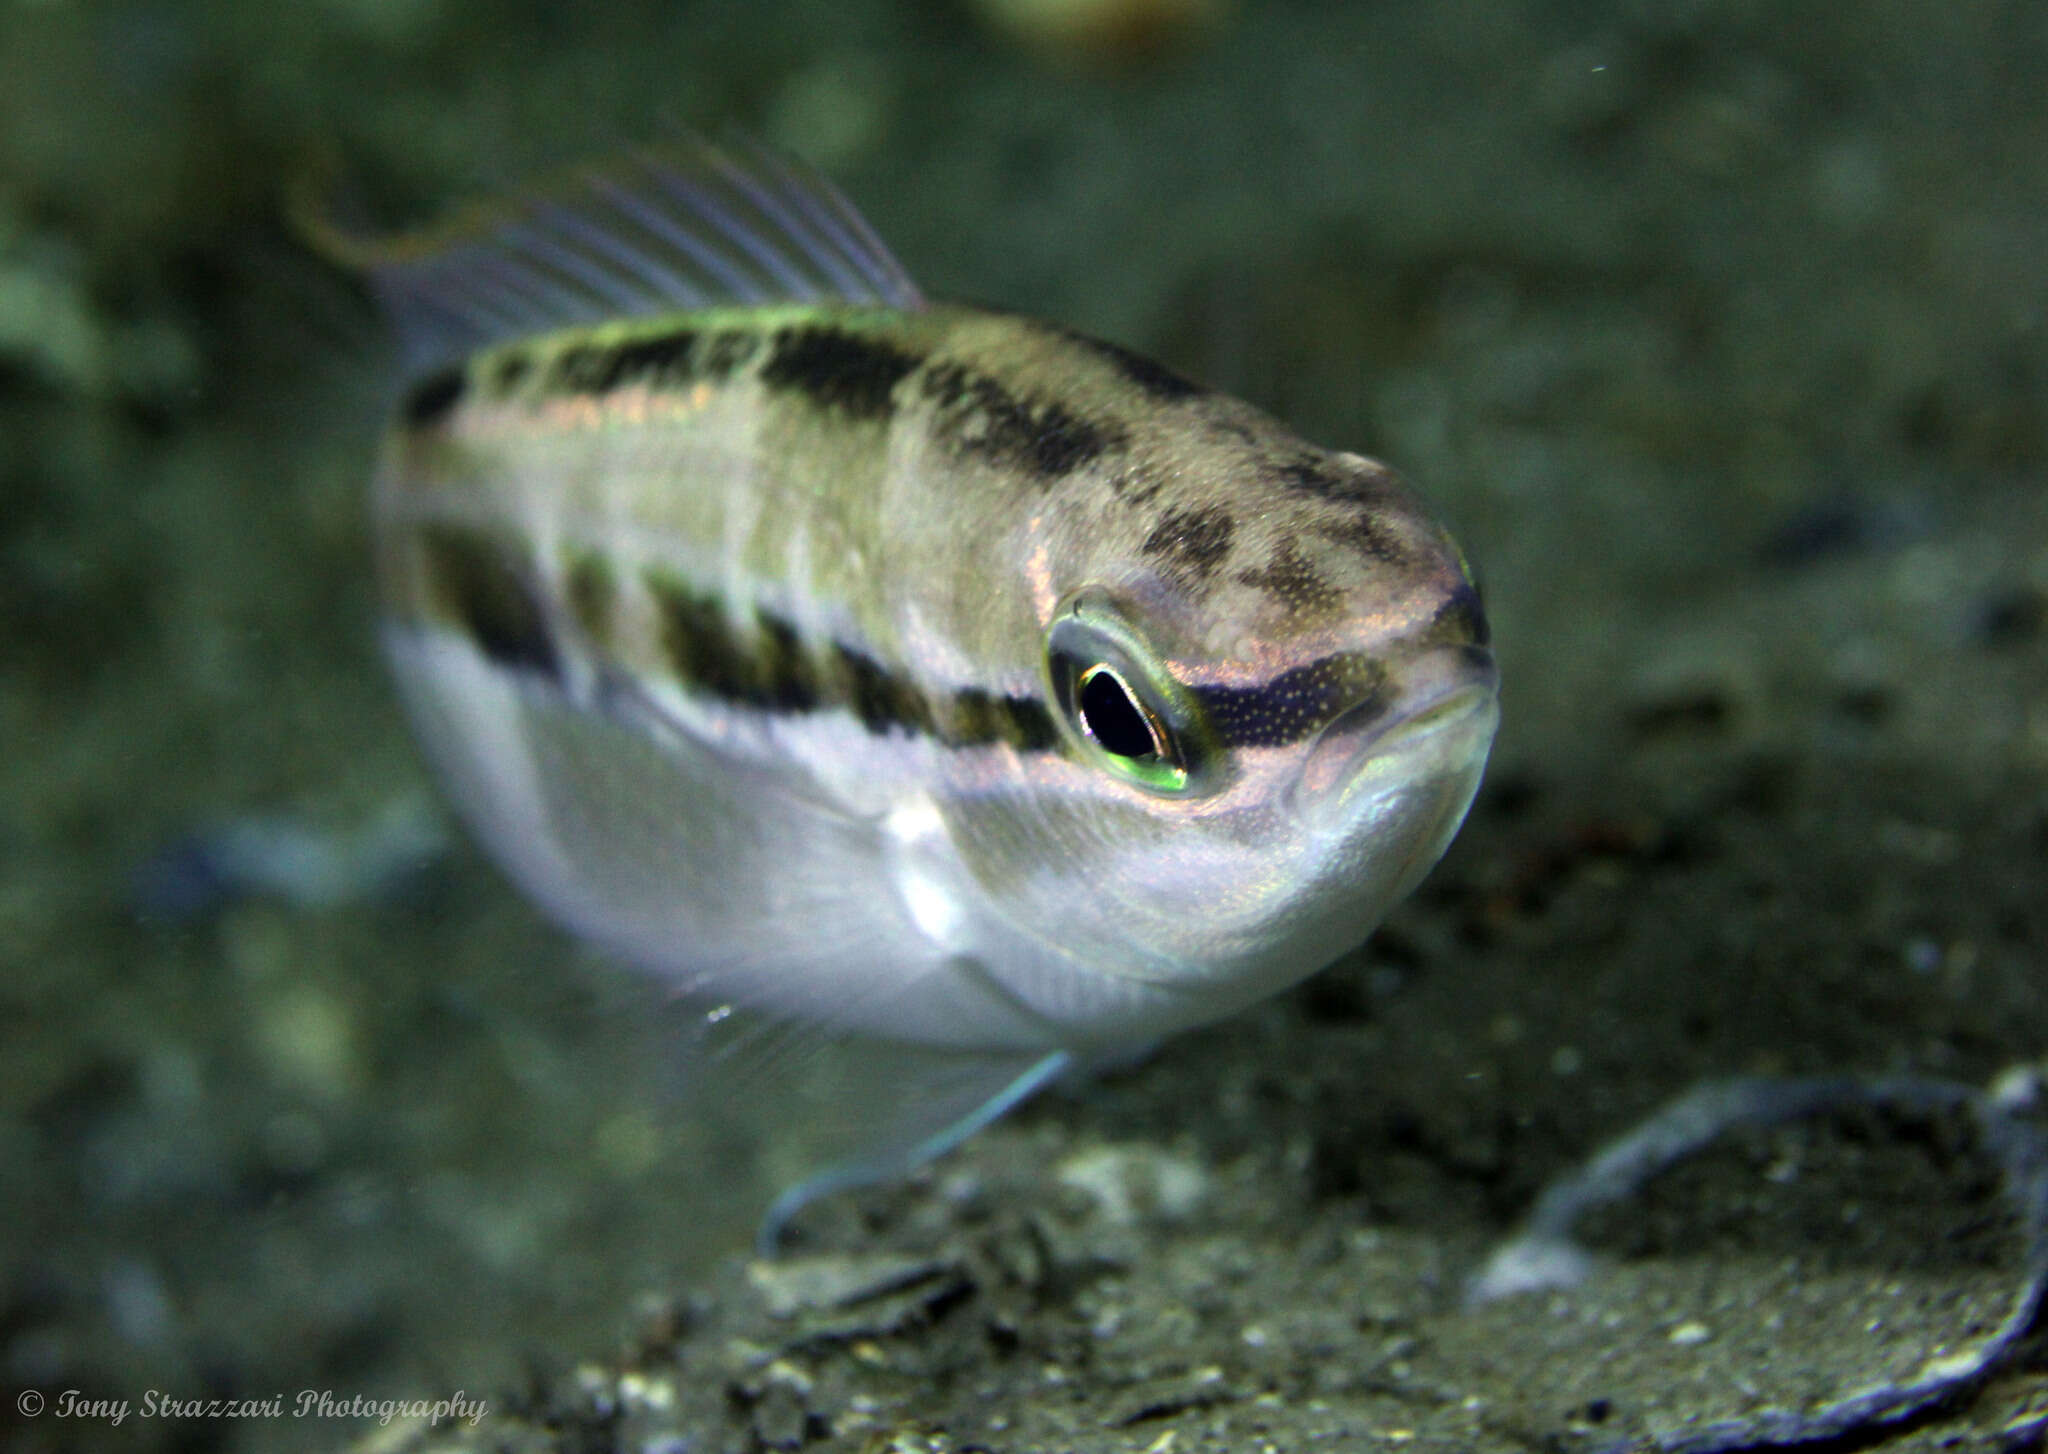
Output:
(689, 227)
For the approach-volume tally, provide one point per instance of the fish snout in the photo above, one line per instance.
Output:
(1432, 719)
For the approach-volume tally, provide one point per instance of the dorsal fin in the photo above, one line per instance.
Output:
(687, 227)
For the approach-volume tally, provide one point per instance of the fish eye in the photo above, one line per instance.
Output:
(1126, 711)
(1115, 718)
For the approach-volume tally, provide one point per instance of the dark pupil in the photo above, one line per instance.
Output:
(1113, 719)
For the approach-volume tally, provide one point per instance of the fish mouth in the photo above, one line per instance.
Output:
(1441, 723)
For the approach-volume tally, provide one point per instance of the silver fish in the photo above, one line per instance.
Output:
(915, 671)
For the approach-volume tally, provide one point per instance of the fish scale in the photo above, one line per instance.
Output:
(908, 671)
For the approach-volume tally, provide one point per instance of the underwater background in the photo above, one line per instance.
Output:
(1717, 330)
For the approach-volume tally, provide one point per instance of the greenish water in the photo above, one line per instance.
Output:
(1718, 330)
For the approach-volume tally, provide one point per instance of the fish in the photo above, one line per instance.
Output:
(895, 668)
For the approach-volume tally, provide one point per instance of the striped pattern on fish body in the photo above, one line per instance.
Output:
(917, 670)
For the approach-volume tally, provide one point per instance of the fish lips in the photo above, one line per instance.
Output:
(1440, 725)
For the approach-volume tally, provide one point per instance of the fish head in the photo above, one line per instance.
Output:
(1275, 699)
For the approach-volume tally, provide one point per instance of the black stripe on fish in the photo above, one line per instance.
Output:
(1359, 480)
(655, 360)
(1366, 533)
(978, 416)
(509, 370)
(788, 681)
(763, 668)
(1021, 721)
(434, 398)
(1460, 621)
(1197, 539)
(1295, 584)
(1155, 380)
(768, 666)
(1359, 489)
(480, 586)
(595, 368)
(837, 370)
(668, 359)
(1297, 703)
(882, 699)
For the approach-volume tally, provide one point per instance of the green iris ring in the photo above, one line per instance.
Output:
(1092, 638)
